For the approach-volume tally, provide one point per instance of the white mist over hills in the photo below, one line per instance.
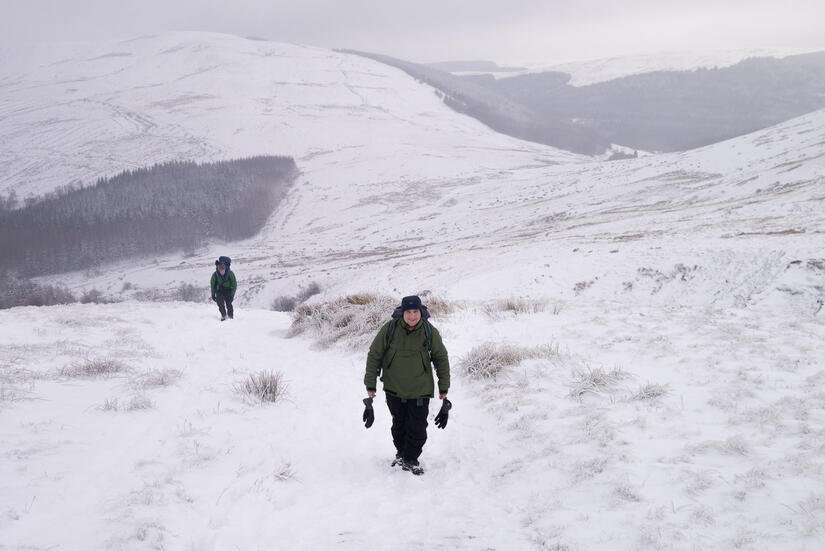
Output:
(694, 282)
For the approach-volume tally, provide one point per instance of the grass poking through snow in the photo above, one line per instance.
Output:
(265, 386)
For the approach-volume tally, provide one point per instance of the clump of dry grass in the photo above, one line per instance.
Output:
(627, 493)
(137, 402)
(438, 307)
(353, 319)
(349, 318)
(159, 378)
(101, 367)
(596, 381)
(735, 445)
(263, 386)
(289, 303)
(488, 360)
(516, 306)
(651, 392)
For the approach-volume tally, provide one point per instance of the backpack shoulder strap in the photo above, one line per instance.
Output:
(387, 341)
(390, 333)
(428, 339)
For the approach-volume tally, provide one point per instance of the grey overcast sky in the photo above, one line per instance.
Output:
(508, 32)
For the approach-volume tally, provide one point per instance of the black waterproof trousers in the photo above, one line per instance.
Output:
(224, 300)
(409, 424)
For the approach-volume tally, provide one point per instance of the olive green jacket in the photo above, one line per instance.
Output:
(407, 369)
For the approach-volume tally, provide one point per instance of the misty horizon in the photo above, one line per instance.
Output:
(429, 32)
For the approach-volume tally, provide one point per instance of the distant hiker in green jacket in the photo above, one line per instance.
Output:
(223, 286)
(403, 354)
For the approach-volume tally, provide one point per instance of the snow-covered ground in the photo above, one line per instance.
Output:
(680, 297)
(708, 433)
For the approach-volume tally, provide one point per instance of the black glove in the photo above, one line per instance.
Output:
(369, 413)
(443, 414)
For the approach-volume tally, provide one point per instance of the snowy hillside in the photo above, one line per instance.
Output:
(78, 111)
(392, 179)
(675, 302)
(586, 72)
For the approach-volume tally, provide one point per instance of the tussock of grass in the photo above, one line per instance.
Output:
(289, 303)
(354, 319)
(516, 306)
(651, 392)
(599, 429)
(698, 482)
(94, 368)
(585, 470)
(736, 445)
(488, 360)
(138, 402)
(595, 381)
(438, 307)
(263, 387)
(362, 299)
(160, 378)
(283, 304)
(109, 404)
(626, 493)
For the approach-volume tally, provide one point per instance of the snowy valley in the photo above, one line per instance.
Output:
(665, 314)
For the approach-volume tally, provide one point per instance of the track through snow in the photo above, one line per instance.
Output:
(126, 464)
(707, 433)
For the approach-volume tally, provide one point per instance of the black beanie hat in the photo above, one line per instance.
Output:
(410, 303)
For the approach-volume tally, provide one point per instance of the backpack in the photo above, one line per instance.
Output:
(225, 260)
(396, 317)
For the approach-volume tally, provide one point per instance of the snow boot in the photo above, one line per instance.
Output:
(398, 461)
(413, 466)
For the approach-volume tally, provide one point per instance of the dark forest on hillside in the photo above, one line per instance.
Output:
(145, 212)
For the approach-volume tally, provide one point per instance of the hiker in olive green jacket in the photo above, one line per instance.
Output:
(224, 285)
(405, 365)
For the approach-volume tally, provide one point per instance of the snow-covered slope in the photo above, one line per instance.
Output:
(79, 111)
(593, 71)
(697, 279)
(397, 190)
(641, 428)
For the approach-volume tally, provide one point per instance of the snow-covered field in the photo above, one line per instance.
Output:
(675, 301)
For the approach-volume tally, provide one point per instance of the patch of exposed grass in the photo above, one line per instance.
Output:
(516, 306)
(265, 386)
(595, 380)
(354, 319)
(102, 367)
(650, 392)
(488, 360)
(289, 303)
(159, 378)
